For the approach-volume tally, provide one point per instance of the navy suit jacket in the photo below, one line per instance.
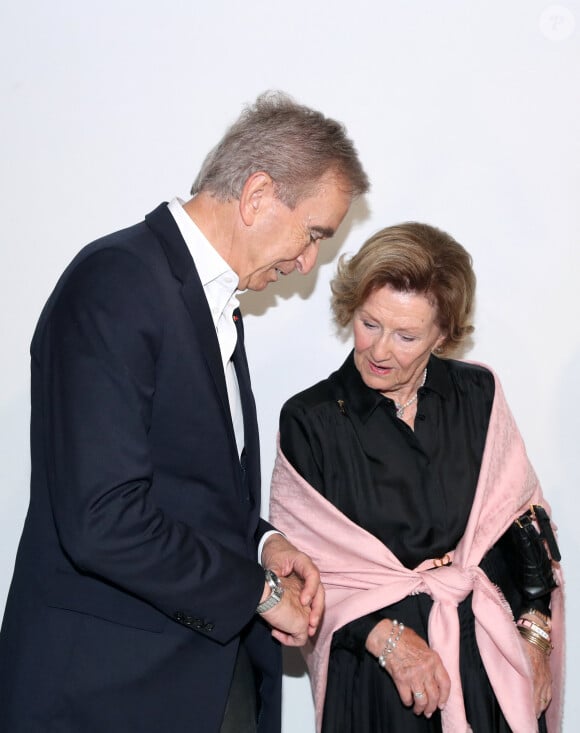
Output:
(136, 576)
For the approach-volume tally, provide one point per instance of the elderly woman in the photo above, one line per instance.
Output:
(402, 475)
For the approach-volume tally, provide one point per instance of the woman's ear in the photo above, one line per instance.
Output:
(440, 344)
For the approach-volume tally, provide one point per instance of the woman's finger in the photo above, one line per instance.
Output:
(420, 700)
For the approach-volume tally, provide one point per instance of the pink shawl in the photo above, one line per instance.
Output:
(361, 575)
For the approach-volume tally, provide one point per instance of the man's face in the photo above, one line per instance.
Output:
(284, 239)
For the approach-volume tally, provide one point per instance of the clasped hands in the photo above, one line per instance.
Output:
(298, 614)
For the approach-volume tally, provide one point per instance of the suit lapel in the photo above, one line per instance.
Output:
(183, 269)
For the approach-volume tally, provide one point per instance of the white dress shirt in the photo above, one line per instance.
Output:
(220, 284)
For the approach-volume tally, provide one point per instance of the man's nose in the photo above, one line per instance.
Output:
(306, 261)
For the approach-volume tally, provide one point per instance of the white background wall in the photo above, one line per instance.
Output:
(465, 115)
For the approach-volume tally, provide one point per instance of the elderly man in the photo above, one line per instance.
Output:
(147, 589)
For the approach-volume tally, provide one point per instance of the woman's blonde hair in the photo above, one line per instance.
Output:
(410, 257)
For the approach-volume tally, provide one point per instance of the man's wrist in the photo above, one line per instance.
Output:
(276, 592)
(265, 537)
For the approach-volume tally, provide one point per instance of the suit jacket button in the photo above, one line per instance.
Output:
(209, 627)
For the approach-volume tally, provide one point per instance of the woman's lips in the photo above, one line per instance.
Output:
(376, 369)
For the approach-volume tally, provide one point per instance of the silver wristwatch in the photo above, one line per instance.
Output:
(276, 594)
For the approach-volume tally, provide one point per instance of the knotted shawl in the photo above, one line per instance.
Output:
(361, 575)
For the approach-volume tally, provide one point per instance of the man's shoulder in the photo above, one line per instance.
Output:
(133, 248)
(131, 239)
(122, 270)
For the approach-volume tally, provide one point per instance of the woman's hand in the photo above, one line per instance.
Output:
(541, 677)
(417, 671)
(540, 663)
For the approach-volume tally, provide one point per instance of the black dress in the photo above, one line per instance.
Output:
(413, 490)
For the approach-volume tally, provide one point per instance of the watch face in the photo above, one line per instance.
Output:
(273, 579)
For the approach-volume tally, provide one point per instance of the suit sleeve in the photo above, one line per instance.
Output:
(97, 355)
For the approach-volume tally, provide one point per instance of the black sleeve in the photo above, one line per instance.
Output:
(301, 445)
(353, 635)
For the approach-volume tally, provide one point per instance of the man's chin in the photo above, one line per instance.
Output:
(262, 280)
(259, 285)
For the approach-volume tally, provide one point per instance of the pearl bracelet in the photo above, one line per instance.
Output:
(391, 643)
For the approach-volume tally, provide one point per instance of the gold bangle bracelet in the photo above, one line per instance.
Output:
(535, 628)
(536, 640)
(544, 649)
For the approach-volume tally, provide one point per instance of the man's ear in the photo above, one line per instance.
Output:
(256, 191)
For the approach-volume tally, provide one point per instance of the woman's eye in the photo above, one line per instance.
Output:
(407, 339)
(367, 324)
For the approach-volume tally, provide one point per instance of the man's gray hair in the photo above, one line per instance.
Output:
(294, 144)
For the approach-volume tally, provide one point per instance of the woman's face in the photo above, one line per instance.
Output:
(394, 335)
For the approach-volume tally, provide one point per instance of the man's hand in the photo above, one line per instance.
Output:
(289, 618)
(298, 614)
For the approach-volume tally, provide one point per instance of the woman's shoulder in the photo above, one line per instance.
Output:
(323, 395)
(470, 375)
(468, 369)
(319, 394)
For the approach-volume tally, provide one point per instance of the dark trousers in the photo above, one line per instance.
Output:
(241, 708)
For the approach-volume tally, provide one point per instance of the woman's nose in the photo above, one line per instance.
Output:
(381, 349)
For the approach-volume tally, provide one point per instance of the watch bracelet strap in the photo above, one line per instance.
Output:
(272, 600)
(275, 593)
